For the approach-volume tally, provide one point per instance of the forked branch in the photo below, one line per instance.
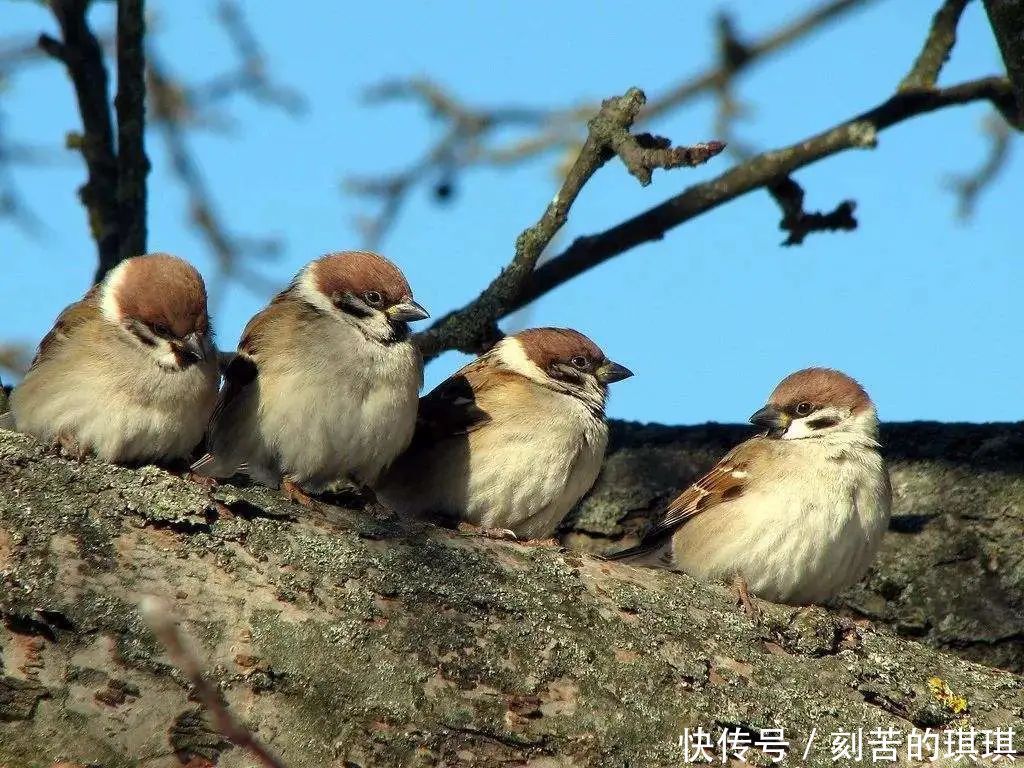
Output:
(474, 328)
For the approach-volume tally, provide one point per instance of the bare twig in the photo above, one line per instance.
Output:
(474, 328)
(167, 633)
(795, 220)
(760, 171)
(937, 47)
(15, 358)
(132, 163)
(230, 251)
(81, 54)
(464, 140)
(754, 51)
(250, 77)
(968, 187)
(733, 54)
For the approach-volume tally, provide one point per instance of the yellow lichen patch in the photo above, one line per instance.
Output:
(945, 696)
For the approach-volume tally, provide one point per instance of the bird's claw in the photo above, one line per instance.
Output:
(501, 534)
(746, 602)
(291, 491)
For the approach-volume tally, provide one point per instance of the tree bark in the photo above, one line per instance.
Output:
(358, 638)
(1007, 20)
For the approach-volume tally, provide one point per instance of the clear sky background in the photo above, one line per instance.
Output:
(923, 309)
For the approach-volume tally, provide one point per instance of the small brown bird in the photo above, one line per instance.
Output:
(513, 440)
(324, 387)
(128, 373)
(797, 513)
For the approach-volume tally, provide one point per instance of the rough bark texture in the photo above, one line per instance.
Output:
(353, 638)
(1007, 19)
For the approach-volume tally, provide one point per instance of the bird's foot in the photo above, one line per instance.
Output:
(351, 494)
(69, 447)
(746, 602)
(204, 481)
(291, 491)
(502, 534)
(550, 542)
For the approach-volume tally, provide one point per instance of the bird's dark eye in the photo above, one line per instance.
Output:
(580, 362)
(160, 330)
(373, 298)
(803, 409)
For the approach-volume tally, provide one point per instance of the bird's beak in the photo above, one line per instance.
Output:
(772, 419)
(193, 345)
(610, 372)
(406, 311)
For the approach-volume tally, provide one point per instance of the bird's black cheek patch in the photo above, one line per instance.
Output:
(145, 339)
(348, 304)
(823, 422)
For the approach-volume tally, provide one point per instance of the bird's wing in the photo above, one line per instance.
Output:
(68, 321)
(726, 481)
(239, 375)
(453, 407)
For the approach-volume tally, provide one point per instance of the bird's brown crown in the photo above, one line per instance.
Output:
(357, 272)
(161, 291)
(544, 346)
(819, 387)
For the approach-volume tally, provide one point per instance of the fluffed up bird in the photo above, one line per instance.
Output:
(796, 513)
(129, 373)
(324, 387)
(513, 440)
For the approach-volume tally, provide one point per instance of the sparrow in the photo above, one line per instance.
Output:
(129, 373)
(323, 388)
(514, 439)
(795, 514)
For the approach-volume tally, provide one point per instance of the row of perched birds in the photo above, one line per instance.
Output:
(323, 393)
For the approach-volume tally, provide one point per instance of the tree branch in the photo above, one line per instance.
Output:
(464, 142)
(132, 163)
(1007, 20)
(474, 327)
(230, 251)
(81, 54)
(937, 47)
(968, 187)
(760, 171)
(798, 222)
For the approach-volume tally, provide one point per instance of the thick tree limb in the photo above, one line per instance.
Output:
(347, 637)
(132, 163)
(1007, 20)
(937, 47)
(81, 54)
(760, 171)
(474, 328)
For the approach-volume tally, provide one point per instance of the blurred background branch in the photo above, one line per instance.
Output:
(969, 187)
(470, 136)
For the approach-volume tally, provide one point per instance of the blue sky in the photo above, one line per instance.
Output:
(922, 308)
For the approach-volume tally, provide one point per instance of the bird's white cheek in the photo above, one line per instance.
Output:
(797, 429)
(165, 356)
